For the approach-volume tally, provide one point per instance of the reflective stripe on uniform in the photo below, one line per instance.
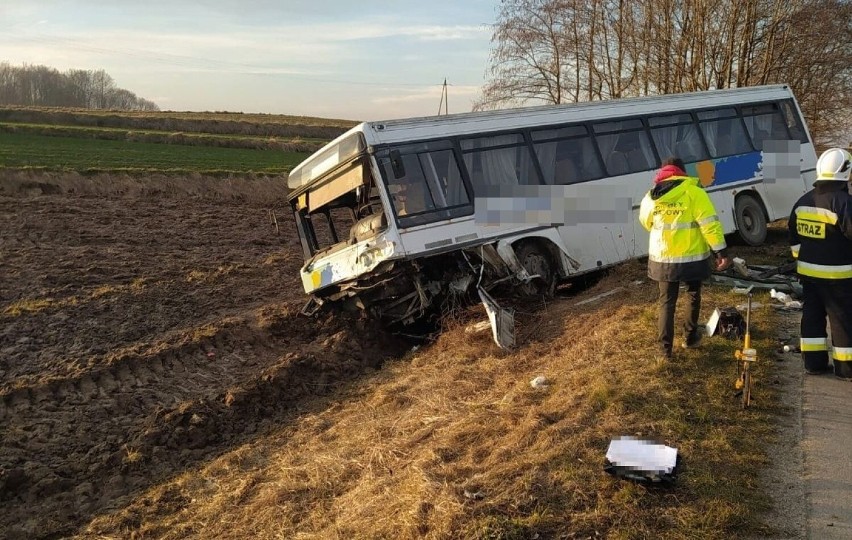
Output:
(824, 271)
(812, 213)
(842, 354)
(718, 247)
(813, 344)
(795, 250)
(680, 259)
(675, 226)
(708, 220)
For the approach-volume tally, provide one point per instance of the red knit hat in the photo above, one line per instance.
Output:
(667, 171)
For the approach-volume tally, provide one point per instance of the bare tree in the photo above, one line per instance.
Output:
(44, 86)
(557, 51)
(531, 58)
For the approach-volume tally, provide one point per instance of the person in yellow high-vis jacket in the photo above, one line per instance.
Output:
(821, 239)
(686, 237)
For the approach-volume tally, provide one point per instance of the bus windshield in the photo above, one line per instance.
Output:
(424, 182)
(334, 197)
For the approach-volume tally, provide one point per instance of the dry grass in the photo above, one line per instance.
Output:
(451, 441)
(35, 305)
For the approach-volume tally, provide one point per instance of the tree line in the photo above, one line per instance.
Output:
(563, 51)
(42, 86)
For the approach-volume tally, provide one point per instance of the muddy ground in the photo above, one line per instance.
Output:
(142, 332)
(145, 330)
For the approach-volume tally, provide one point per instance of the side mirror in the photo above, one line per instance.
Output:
(396, 164)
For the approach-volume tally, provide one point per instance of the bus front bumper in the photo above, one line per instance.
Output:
(346, 265)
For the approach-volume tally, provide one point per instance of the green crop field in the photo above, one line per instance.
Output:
(112, 132)
(68, 153)
(126, 116)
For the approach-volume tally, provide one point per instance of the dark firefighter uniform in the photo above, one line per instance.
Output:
(820, 228)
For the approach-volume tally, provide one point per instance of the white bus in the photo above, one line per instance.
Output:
(396, 217)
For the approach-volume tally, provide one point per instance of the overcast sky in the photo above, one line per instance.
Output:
(374, 59)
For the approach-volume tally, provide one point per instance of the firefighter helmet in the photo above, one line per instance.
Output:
(834, 164)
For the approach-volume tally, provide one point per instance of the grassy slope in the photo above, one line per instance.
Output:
(53, 112)
(89, 140)
(452, 442)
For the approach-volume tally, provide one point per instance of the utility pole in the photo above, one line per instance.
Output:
(444, 99)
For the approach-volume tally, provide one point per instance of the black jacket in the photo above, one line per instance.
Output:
(820, 229)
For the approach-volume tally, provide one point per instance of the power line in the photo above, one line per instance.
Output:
(445, 100)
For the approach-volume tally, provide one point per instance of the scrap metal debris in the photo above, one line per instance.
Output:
(502, 321)
(788, 302)
(741, 276)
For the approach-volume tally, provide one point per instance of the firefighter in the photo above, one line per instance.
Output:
(821, 240)
(686, 234)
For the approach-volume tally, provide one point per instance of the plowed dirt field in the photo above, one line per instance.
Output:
(143, 330)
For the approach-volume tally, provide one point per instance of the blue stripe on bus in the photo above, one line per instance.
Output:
(726, 170)
(737, 168)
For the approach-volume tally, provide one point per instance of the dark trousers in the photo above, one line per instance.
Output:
(667, 304)
(832, 299)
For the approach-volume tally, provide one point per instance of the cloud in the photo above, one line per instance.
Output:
(319, 55)
(448, 33)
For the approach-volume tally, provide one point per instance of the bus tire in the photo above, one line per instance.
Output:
(750, 220)
(536, 259)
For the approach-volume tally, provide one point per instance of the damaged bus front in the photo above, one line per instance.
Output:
(351, 200)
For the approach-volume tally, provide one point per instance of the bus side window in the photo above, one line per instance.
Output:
(723, 132)
(566, 155)
(616, 163)
(501, 160)
(725, 145)
(566, 172)
(626, 152)
(677, 135)
(791, 117)
(765, 123)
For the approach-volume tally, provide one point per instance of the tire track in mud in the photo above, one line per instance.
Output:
(75, 447)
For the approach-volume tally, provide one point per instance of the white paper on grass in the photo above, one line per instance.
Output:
(641, 455)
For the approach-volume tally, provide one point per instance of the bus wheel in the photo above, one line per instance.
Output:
(751, 221)
(536, 260)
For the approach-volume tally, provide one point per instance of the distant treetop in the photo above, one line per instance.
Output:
(42, 86)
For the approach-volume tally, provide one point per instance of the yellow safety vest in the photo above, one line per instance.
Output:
(683, 223)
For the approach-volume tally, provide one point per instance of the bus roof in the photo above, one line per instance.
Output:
(391, 131)
(431, 127)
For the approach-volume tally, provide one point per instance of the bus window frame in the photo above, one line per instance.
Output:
(797, 119)
(736, 117)
(643, 120)
(587, 135)
(776, 109)
(433, 215)
(693, 120)
(526, 141)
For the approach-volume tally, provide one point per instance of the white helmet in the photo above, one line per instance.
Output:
(834, 164)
